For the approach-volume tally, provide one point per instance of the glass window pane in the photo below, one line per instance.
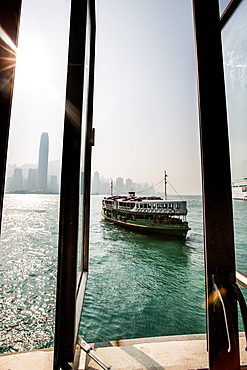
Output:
(83, 148)
(235, 63)
(223, 5)
(31, 208)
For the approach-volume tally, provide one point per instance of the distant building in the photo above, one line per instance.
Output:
(8, 184)
(129, 185)
(43, 162)
(32, 179)
(54, 184)
(105, 188)
(244, 168)
(96, 183)
(17, 182)
(119, 185)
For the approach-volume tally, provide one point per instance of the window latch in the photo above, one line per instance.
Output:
(91, 137)
(91, 353)
(226, 311)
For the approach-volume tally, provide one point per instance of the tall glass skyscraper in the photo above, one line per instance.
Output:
(43, 162)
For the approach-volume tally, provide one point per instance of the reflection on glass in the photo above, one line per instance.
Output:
(38, 99)
(83, 146)
(234, 37)
(223, 5)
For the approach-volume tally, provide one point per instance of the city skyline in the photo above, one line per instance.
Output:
(119, 185)
(145, 95)
(27, 176)
(35, 179)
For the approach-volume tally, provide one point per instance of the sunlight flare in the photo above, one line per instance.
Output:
(5, 37)
(32, 64)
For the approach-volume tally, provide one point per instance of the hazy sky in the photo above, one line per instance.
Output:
(145, 108)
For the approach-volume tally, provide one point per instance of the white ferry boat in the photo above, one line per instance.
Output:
(148, 214)
(239, 189)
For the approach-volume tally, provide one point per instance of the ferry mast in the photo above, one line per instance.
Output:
(111, 188)
(165, 176)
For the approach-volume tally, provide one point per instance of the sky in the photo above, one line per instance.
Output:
(145, 102)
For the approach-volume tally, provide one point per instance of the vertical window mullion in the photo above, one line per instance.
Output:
(217, 200)
(69, 196)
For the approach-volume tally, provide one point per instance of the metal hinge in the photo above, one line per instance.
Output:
(91, 138)
(91, 353)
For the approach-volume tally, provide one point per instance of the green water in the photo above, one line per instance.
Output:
(139, 285)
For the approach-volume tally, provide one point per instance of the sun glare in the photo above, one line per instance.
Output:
(5, 37)
(32, 64)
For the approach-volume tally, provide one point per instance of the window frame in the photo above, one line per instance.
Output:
(220, 268)
(70, 288)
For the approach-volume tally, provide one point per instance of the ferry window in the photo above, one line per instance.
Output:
(140, 216)
(177, 205)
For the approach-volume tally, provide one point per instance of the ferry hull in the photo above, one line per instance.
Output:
(166, 230)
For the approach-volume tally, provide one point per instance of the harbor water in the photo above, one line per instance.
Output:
(139, 285)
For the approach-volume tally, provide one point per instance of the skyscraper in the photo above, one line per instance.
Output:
(32, 179)
(119, 185)
(96, 183)
(17, 179)
(43, 161)
(129, 185)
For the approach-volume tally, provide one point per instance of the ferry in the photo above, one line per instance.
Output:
(239, 189)
(147, 214)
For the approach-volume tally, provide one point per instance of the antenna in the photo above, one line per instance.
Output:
(165, 176)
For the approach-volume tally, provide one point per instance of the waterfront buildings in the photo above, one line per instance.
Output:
(100, 185)
(35, 178)
(17, 179)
